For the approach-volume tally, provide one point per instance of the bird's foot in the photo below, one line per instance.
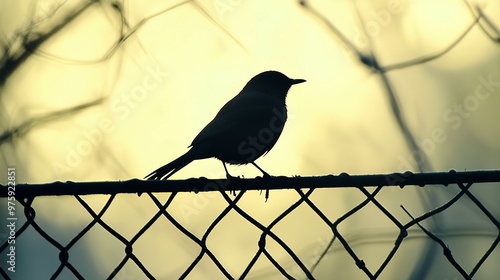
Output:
(265, 175)
(266, 196)
(228, 179)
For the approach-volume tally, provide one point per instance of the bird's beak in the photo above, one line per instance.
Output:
(297, 81)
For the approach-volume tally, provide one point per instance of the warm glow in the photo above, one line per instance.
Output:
(147, 97)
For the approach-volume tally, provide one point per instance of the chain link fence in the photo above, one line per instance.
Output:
(295, 264)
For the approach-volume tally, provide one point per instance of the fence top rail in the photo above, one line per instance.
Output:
(342, 180)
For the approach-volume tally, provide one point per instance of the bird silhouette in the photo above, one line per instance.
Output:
(245, 128)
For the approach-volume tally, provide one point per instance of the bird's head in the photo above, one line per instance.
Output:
(272, 82)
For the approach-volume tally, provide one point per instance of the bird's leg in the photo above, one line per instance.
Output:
(264, 175)
(229, 177)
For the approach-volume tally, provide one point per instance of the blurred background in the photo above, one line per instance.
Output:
(111, 90)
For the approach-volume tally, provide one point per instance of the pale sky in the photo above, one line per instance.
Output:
(180, 61)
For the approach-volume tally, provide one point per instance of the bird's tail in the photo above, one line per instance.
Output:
(169, 169)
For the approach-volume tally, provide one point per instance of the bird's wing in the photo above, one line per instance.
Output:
(222, 125)
(240, 113)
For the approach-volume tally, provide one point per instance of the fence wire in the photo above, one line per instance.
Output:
(369, 185)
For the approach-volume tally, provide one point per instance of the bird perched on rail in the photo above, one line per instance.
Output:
(245, 128)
